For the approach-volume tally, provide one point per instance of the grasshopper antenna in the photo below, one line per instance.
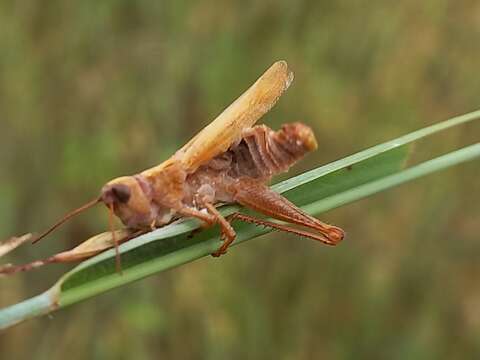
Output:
(67, 217)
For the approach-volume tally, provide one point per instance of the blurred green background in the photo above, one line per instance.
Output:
(91, 90)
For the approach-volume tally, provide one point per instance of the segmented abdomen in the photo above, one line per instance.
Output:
(263, 152)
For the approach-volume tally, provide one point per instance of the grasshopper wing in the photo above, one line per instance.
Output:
(227, 128)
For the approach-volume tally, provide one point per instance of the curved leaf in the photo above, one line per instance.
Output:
(329, 186)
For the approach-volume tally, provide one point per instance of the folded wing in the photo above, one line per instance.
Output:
(227, 128)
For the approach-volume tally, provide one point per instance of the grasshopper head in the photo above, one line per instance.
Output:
(129, 200)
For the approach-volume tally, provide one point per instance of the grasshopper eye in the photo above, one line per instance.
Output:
(115, 194)
(121, 193)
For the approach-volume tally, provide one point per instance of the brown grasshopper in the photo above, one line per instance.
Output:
(229, 161)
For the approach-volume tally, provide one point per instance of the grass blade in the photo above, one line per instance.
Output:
(335, 184)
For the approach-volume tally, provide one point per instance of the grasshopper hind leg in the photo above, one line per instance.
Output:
(280, 227)
(259, 197)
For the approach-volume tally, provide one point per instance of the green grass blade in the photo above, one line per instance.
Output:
(171, 251)
(33, 307)
(335, 184)
(442, 162)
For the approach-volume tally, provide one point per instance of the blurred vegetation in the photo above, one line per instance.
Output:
(92, 90)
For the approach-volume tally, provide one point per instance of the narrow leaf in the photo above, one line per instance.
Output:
(335, 184)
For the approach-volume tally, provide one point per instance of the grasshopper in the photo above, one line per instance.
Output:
(230, 161)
